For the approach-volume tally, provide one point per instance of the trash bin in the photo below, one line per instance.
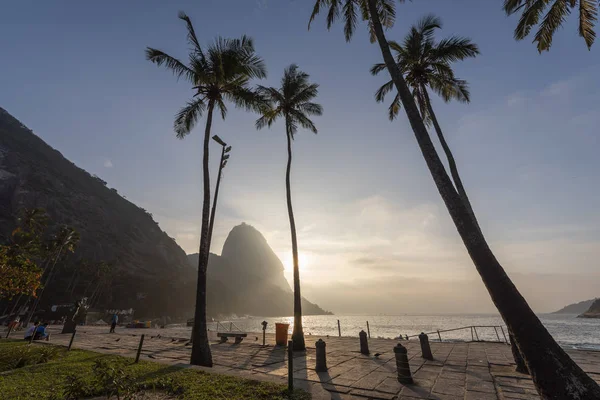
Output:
(281, 334)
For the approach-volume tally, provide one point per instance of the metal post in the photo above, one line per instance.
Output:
(476, 335)
(321, 364)
(472, 337)
(339, 329)
(402, 366)
(503, 334)
(290, 365)
(425, 348)
(368, 330)
(72, 339)
(364, 344)
(10, 328)
(139, 350)
(498, 336)
(440, 336)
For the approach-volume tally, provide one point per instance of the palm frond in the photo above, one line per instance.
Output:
(306, 93)
(270, 93)
(427, 25)
(454, 49)
(316, 10)
(309, 108)
(383, 91)
(588, 15)
(268, 118)
(178, 68)
(187, 117)
(334, 12)
(222, 107)
(246, 98)
(377, 68)
(555, 17)
(350, 19)
(394, 107)
(530, 17)
(191, 36)
(303, 120)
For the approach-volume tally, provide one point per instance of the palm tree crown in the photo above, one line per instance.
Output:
(426, 63)
(349, 10)
(219, 73)
(291, 101)
(558, 11)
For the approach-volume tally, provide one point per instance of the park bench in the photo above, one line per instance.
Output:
(239, 336)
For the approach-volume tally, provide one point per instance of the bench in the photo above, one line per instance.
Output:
(239, 336)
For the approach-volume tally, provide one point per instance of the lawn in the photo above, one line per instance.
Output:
(41, 371)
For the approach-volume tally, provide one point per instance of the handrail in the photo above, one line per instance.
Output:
(473, 329)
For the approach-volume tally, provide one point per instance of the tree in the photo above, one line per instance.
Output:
(427, 64)
(557, 12)
(220, 73)
(292, 102)
(554, 374)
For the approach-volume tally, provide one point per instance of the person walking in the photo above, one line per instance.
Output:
(113, 323)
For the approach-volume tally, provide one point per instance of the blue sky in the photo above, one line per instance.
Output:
(368, 214)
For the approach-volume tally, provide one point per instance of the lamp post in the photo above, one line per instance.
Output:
(224, 157)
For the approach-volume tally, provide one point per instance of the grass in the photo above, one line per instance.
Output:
(57, 374)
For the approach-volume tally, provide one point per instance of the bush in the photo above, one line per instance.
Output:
(23, 355)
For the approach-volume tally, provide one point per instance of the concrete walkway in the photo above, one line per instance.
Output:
(466, 371)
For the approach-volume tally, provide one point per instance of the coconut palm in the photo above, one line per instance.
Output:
(554, 374)
(292, 102)
(427, 65)
(556, 13)
(219, 73)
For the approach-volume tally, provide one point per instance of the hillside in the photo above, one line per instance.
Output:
(593, 311)
(253, 276)
(575, 308)
(152, 272)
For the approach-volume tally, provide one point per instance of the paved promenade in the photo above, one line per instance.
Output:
(466, 371)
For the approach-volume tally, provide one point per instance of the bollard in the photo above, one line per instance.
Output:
(139, 350)
(402, 366)
(72, 339)
(290, 366)
(425, 348)
(368, 330)
(339, 329)
(321, 356)
(264, 325)
(364, 344)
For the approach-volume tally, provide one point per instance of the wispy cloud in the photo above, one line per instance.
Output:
(108, 163)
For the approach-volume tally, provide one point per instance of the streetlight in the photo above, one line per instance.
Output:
(224, 157)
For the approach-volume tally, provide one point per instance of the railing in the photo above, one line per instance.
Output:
(474, 334)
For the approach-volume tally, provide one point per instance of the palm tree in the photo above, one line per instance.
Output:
(556, 14)
(554, 374)
(220, 73)
(427, 64)
(292, 102)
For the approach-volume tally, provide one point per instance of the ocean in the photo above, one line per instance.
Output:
(567, 330)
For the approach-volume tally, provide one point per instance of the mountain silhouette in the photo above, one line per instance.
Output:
(252, 276)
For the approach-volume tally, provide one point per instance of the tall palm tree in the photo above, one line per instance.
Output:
(220, 73)
(292, 101)
(427, 65)
(554, 374)
(556, 13)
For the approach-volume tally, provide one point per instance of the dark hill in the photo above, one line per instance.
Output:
(253, 276)
(152, 274)
(593, 311)
(575, 308)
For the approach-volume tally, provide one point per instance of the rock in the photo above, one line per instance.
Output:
(593, 311)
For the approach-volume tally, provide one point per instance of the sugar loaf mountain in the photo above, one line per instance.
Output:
(151, 273)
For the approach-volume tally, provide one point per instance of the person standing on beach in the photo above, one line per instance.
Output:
(113, 323)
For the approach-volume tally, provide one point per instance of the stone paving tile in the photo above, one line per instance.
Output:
(448, 386)
(370, 394)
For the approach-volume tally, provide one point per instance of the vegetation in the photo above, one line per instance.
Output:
(556, 13)
(220, 73)
(292, 102)
(83, 374)
(555, 375)
(428, 65)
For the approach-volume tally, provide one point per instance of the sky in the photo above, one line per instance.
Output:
(374, 235)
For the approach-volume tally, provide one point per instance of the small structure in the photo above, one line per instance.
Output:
(364, 343)
(321, 364)
(425, 347)
(404, 375)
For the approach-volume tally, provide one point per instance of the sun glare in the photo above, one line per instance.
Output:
(303, 262)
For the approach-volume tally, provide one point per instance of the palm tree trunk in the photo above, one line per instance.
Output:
(298, 333)
(520, 363)
(450, 157)
(201, 354)
(214, 205)
(554, 374)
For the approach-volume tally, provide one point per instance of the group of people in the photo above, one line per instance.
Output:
(38, 331)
